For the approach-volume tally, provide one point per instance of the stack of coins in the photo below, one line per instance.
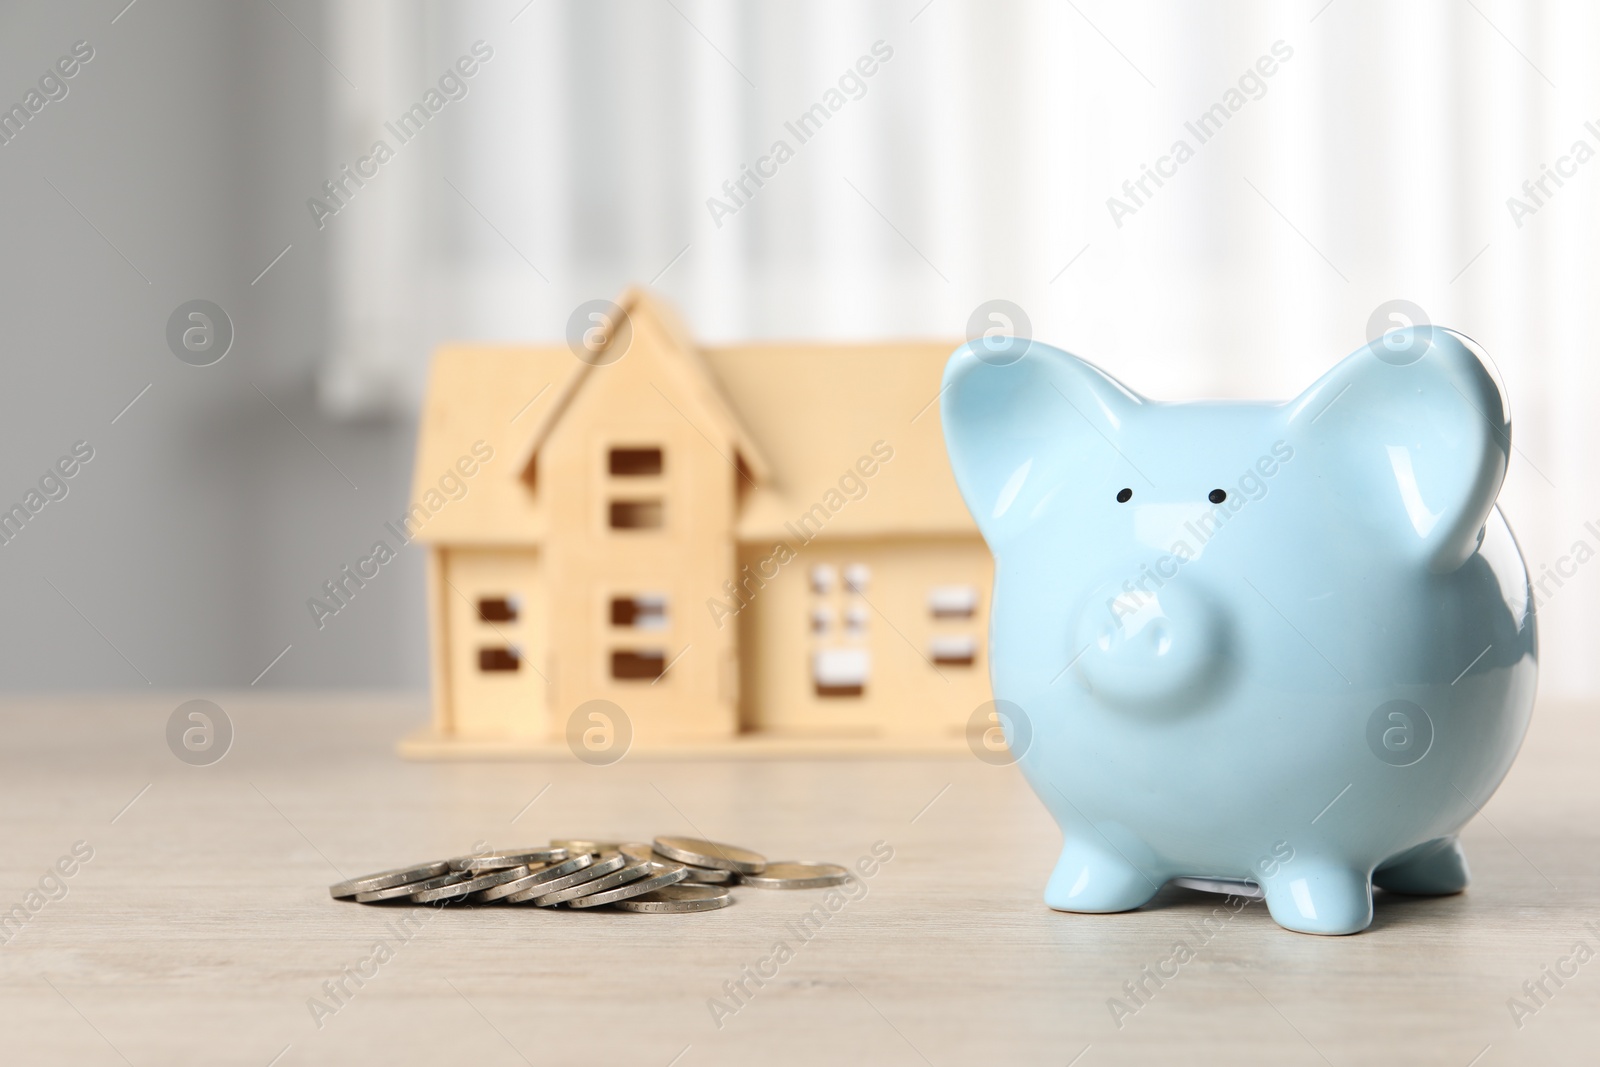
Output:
(670, 875)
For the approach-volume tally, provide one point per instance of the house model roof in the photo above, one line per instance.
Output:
(796, 418)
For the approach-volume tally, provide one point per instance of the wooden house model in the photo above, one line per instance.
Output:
(749, 549)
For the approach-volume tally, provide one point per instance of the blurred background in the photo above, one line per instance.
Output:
(1362, 153)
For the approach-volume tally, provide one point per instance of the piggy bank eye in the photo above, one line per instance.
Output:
(1217, 496)
(1125, 496)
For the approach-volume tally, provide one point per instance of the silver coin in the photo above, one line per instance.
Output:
(661, 876)
(605, 863)
(369, 883)
(631, 873)
(711, 876)
(636, 852)
(697, 853)
(499, 861)
(537, 876)
(483, 880)
(679, 898)
(578, 846)
(399, 891)
(797, 874)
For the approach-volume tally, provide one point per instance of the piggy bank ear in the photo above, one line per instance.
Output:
(1412, 440)
(1022, 423)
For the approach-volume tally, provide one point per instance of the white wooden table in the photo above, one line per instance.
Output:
(201, 929)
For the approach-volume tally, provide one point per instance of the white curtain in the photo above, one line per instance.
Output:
(1375, 162)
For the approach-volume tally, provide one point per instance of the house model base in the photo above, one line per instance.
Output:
(638, 545)
(428, 744)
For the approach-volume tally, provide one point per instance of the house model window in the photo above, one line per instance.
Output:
(841, 672)
(635, 462)
(855, 619)
(499, 659)
(822, 579)
(499, 609)
(636, 515)
(644, 611)
(856, 577)
(953, 650)
(953, 601)
(642, 665)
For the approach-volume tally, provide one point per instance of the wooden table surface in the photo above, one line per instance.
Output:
(201, 928)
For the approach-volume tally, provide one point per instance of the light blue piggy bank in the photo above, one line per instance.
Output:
(1290, 643)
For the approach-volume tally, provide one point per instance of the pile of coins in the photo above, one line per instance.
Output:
(674, 874)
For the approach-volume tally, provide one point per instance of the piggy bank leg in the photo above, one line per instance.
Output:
(1320, 897)
(1434, 869)
(1091, 876)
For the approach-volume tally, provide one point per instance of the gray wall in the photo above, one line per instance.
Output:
(185, 550)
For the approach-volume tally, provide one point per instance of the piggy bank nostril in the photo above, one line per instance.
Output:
(1160, 639)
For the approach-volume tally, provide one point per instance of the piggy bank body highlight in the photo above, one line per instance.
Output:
(1290, 643)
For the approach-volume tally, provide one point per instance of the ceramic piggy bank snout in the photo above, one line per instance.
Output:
(1148, 651)
(1291, 644)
